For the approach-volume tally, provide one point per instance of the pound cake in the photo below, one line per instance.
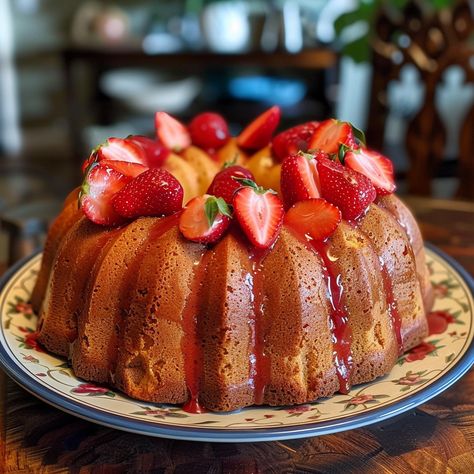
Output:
(291, 273)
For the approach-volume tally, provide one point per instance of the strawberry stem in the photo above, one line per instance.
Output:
(214, 206)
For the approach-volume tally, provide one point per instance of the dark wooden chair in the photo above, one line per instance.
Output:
(432, 43)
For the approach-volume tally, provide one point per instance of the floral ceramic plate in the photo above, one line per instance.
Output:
(420, 374)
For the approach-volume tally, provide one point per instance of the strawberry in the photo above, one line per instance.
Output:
(156, 192)
(125, 167)
(205, 219)
(155, 152)
(350, 191)
(209, 130)
(117, 149)
(293, 140)
(376, 167)
(259, 132)
(98, 189)
(260, 214)
(299, 179)
(314, 219)
(331, 134)
(224, 185)
(171, 132)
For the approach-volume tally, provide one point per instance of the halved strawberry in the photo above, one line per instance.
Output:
(224, 183)
(314, 219)
(125, 167)
(378, 168)
(259, 132)
(100, 185)
(205, 219)
(171, 132)
(293, 140)
(299, 179)
(121, 149)
(260, 214)
(156, 192)
(350, 191)
(155, 152)
(331, 134)
(209, 130)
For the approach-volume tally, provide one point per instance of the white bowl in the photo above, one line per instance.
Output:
(148, 91)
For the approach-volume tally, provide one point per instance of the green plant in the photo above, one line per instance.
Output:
(355, 29)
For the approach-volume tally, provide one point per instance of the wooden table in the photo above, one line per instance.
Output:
(436, 437)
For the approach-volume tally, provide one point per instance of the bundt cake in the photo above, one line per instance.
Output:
(244, 296)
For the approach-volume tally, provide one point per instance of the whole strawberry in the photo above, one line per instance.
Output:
(155, 192)
(225, 183)
(350, 191)
(155, 152)
(293, 140)
(209, 130)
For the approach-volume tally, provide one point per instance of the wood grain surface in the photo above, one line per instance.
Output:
(437, 437)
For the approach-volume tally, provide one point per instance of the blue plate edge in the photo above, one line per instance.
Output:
(233, 435)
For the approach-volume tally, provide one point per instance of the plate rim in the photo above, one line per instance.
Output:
(318, 428)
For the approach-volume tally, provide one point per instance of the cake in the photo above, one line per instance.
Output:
(226, 317)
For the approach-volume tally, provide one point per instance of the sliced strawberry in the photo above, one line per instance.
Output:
(205, 219)
(331, 134)
(299, 179)
(259, 132)
(156, 192)
(100, 185)
(171, 132)
(314, 219)
(224, 183)
(209, 130)
(260, 214)
(376, 167)
(124, 167)
(155, 152)
(293, 140)
(121, 149)
(350, 191)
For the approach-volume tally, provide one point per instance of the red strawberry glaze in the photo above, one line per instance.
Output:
(341, 330)
(191, 348)
(388, 289)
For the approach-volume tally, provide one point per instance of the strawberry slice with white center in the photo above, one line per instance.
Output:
(259, 132)
(299, 178)
(171, 132)
(314, 219)
(293, 140)
(205, 219)
(331, 134)
(121, 149)
(378, 168)
(156, 192)
(260, 214)
(350, 191)
(100, 185)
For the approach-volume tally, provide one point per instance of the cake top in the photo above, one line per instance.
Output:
(324, 172)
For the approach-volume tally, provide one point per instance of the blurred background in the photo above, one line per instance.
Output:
(74, 73)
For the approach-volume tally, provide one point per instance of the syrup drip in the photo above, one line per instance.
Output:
(391, 303)
(190, 345)
(259, 361)
(392, 306)
(341, 330)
